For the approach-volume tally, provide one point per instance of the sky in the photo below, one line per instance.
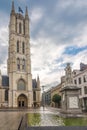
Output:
(58, 35)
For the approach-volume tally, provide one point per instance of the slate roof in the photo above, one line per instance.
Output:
(5, 81)
(34, 83)
(83, 66)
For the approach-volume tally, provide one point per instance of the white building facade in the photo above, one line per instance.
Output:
(80, 79)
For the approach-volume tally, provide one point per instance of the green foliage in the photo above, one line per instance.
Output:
(56, 98)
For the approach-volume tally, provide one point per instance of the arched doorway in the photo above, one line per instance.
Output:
(22, 101)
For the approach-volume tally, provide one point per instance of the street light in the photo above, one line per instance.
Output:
(43, 97)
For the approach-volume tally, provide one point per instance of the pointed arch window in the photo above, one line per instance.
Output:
(17, 46)
(21, 85)
(23, 47)
(20, 28)
(23, 64)
(34, 96)
(18, 64)
(6, 95)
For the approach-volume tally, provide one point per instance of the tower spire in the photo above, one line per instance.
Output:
(13, 9)
(38, 81)
(26, 13)
(37, 77)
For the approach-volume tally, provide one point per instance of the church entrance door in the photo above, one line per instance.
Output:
(22, 101)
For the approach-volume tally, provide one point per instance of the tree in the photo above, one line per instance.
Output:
(56, 99)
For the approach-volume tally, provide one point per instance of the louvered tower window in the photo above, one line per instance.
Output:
(18, 64)
(23, 64)
(20, 29)
(23, 47)
(18, 46)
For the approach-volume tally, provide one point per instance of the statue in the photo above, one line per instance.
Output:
(68, 74)
(70, 94)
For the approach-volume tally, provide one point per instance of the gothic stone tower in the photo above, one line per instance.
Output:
(19, 62)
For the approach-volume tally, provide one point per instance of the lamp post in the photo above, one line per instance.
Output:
(43, 98)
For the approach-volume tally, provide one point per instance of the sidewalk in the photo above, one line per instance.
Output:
(10, 120)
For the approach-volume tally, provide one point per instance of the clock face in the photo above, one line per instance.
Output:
(73, 102)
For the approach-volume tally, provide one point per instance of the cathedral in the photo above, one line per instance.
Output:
(17, 88)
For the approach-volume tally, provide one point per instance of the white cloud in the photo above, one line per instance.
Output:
(44, 53)
(4, 21)
(35, 16)
(54, 31)
(71, 3)
(4, 36)
(80, 57)
(75, 59)
(81, 40)
(3, 42)
(3, 68)
(22, 1)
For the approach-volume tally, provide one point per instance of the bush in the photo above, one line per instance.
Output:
(56, 99)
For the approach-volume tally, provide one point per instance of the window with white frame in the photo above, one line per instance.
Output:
(85, 90)
(75, 81)
(84, 78)
(79, 80)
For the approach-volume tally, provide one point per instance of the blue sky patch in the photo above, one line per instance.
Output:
(73, 50)
(54, 26)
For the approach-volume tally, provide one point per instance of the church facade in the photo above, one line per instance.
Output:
(18, 89)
